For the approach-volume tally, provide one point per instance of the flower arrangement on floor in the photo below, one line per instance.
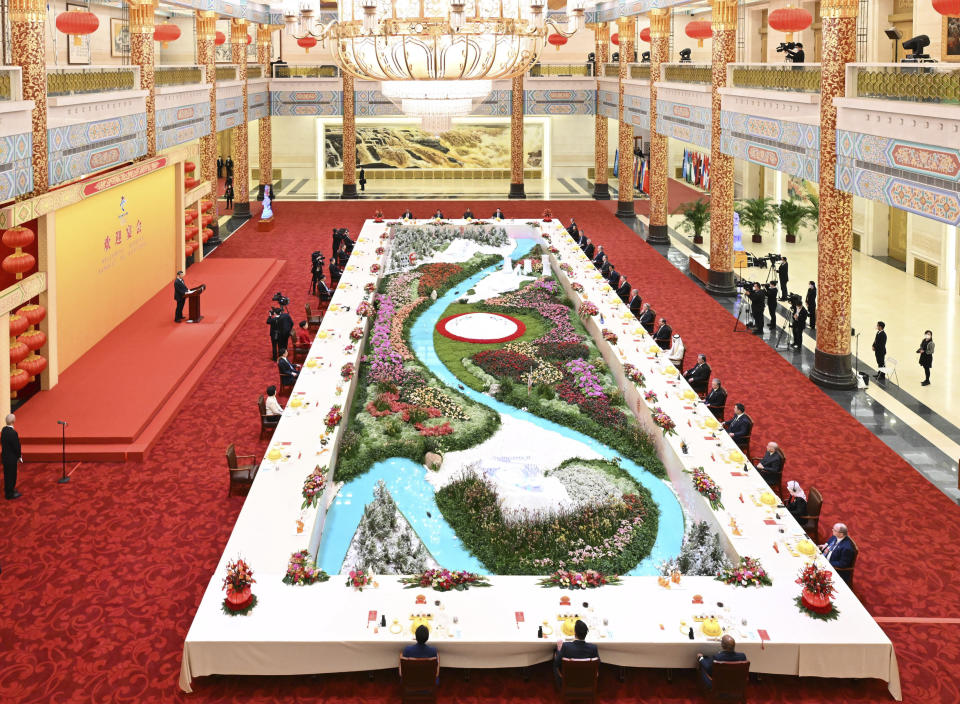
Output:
(359, 578)
(609, 336)
(364, 309)
(301, 570)
(706, 487)
(815, 600)
(374, 268)
(635, 375)
(663, 421)
(347, 371)
(748, 573)
(239, 601)
(591, 579)
(356, 334)
(334, 416)
(313, 487)
(442, 580)
(587, 309)
(577, 286)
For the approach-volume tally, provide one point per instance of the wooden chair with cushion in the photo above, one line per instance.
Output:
(267, 423)
(579, 679)
(811, 522)
(283, 389)
(241, 475)
(846, 573)
(313, 321)
(777, 485)
(729, 681)
(744, 444)
(298, 352)
(418, 679)
(717, 411)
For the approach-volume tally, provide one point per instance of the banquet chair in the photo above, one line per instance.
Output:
(578, 679)
(298, 352)
(846, 573)
(313, 321)
(418, 679)
(717, 411)
(728, 681)
(811, 522)
(744, 444)
(241, 475)
(283, 389)
(267, 423)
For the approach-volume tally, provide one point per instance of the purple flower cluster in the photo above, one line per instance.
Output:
(585, 377)
(385, 363)
(538, 296)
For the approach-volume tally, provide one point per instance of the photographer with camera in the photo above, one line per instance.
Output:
(316, 271)
(272, 320)
(793, 50)
(757, 301)
(812, 304)
(799, 320)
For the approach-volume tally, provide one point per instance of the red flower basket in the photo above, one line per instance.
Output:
(819, 603)
(238, 600)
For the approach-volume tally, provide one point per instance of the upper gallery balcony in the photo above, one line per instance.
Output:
(560, 89)
(684, 102)
(183, 104)
(308, 89)
(16, 136)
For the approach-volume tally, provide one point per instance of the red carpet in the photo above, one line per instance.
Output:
(147, 362)
(101, 577)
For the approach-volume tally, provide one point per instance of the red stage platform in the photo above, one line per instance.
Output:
(120, 395)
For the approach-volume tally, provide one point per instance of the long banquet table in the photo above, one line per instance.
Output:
(325, 627)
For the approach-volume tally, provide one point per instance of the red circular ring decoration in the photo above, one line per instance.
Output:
(519, 332)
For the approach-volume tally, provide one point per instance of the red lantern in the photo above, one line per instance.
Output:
(166, 33)
(18, 263)
(189, 167)
(950, 8)
(191, 232)
(33, 365)
(18, 379)
(77, 24)
(645, 34)
(189, 217)
(34, 339)
(190, 182)
(615, 39)
(18, 352)
(306, 43)
(206, 205)
(219, 39)
(33, 313)
(17, 237)
(789, 20)
(206, 220)
(558, 40)
(699, 30)
(18, 324)
(249, 39)
(191, 248)
(207, 234)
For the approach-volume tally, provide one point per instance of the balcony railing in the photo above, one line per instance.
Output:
(177, 75)
(611, 70)
(254, 71)
(636, 71)
(305, 71)
(919, 83)
(9, 83)
(687, 73)
(91, 79)
(226, 72)
(795, 78)
(561, 70)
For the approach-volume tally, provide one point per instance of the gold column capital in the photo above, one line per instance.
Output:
(659, 23)
(265, 34)
(832, 9)
(141, 18)
(627, 28)
(28, 10)
(601, 31)
(724, 17)
(206, 24)
(238, 31)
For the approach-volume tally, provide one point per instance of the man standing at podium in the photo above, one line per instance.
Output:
(180, 292)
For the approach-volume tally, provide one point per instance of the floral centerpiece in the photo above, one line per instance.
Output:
(706, 487)
(347, 370)
(442, 580)
(566, 269)
(664, 422)
(239, 601)
(650, 397)
(378, 216)
(313, 487)
(364, 309)
(554, 250)
(334, 416)
(815, 600)
(591, 579)
(577, 286)
(369, 287)
(379, 250)
(301, 570)
(359, 578)
(547, 215)
(356, 334)
(748, 573)
(635, 375)
(374, 268)
(587, 309)
(609, 336)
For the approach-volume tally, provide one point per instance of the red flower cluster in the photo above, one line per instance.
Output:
(596, 407)
(429, 432)
(504, 363)
(591, 579)
(434, 276)
(817, 581)
(444, 580)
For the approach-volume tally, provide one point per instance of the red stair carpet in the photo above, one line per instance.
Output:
(102, 576)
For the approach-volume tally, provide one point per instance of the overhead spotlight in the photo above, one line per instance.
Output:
(685, 55)
(916, 45)
(645, 58)
(616, 57)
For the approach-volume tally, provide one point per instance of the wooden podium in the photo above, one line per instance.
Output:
(193, 298)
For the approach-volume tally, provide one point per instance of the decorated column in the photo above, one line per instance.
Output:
(832, 363)
(724, 45)
(659, 48)
(141, 54)
(265, 141)
(626, 27)
(349, 140)
(241, 169)
(601, 190)
(27, 19)
(516, 139)
(206, 34)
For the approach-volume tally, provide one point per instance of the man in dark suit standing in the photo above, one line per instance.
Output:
(880, 349)
(772, 303)
(811, 301)
(229, 166)
(219, 167)
(757, 300)
(635, 302)
(623, 290)
(578, 649)
(839, 550)
(664, 335)
(648, 317)
(288, 371)
(727, 653)
(272, 320)
(740, 426)
(10, 455)
(180, 292)
(284, 328)
(799, 324)
(782, 274)
(698, 376)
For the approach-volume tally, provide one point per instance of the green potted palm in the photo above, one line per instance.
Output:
(756, 214)
(792, 215)
(696, 217)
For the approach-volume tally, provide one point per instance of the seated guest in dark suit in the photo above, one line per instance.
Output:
(337, 236)
(498, 214)
(438, 214)
(623, 290)
(740, 426)
(577, 649)
(635, 302)
(605, 268)
(323, 292)
(288, 370)
(648, 317)
(573, 230)
(468, 214)
(664, 335)
(839, 550)
(600, 257)
(613, 276)
(578, 237)
(770, 465)
(420, 649)
(727, 654)
(797, 502)
(407, 215)
(716, 400)
(588, 249)
(335, 272)
(698, 376)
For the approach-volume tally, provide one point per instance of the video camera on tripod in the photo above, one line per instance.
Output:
(281, 300)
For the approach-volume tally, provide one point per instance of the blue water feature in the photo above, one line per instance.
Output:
(406, 482)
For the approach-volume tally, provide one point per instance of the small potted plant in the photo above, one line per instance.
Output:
(696, 218)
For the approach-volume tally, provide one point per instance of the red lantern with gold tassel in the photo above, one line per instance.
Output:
(557, 40)
(189, 217)
(189, 182)
(699, 30)
(18, 324)
(18, 263)
(207, 234)
(18, 379)
(789, 19)
(645, 34)
(306, 43)
(950, 8)
(33, 365)
(34, 339)
(33, 313)
(189, 167)
(16, 238)
(18, 352)
(77, 24)
(220, 38)
(615, 39)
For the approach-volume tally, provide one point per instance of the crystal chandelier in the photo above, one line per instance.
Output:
(436, 103)
(403, 40)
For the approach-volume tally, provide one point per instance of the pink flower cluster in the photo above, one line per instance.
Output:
(538, 296)
(385, 363)
(585, 377)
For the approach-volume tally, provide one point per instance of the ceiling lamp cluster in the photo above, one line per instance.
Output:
(436, 103)
(415, 40)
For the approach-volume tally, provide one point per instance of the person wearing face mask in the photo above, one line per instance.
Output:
(812, 304)
(926, 356)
